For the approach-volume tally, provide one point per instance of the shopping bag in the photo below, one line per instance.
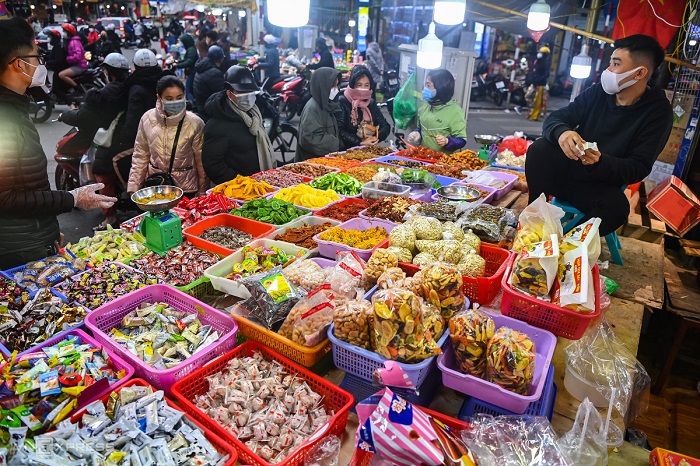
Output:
(405, 103)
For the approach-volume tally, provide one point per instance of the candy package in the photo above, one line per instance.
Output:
(440, 284)
(399, 332)
(470, 332)
(537, 222)
(347, 274)
(510, 360)
(272, 296)
(308, 321)
(535, 269)
(49, 271)
(352, 322)
(574, 286)
(306, 274)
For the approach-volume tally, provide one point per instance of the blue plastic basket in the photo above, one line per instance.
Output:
(362, 389)
(10, 273)
(542, 407)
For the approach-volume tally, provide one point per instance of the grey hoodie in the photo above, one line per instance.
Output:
(318, 127)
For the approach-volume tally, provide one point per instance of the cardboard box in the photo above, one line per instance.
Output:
(670, 152)
(661, 457)
(674, 203)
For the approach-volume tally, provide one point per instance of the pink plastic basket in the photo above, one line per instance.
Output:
(108, 316)
(510, 180)
(329, 248)
(544, 341)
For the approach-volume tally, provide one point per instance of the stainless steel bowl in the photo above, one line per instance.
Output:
(140, 196)
(459, 193)
(487, 139)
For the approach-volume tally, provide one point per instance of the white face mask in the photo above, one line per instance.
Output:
(334, 93)
(611, 81)
(245, 101)
(39, 76)
(539, 55)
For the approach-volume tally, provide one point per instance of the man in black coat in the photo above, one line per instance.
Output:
(326, 60)
(29, 227)
(208, 78)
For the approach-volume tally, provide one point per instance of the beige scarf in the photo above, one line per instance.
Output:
(254, 121)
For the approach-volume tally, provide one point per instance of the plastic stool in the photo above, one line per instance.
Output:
(573, 216)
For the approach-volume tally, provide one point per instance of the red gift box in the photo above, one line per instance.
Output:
(674, 203)
(661, 457)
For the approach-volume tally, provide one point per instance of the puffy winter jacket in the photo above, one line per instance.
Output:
(76, 53)
(154, 145)
(348, 131)
(28, 206)
(208, 80)
(191, 54)
(375, 61)
(318, 126)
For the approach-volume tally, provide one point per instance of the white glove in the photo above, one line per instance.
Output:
(414, 137)
(86, 198)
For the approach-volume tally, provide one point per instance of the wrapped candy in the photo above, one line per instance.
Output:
(48, 272)
(180, 266)
(470, 333)
(441, 285)
(510, 360)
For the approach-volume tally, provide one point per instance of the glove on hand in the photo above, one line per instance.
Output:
(86, 198)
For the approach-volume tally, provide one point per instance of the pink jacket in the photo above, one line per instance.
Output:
(76, 53)
(154, 145)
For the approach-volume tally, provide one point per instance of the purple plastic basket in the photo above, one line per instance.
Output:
(510, 180)
(329, 249)
(544, 341)
(323, 262)
(108, 316)
(485, 200)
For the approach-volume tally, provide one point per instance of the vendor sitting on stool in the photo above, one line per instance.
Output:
(630, 120)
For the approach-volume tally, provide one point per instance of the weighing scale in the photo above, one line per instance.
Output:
(161, 227)
(488, 142)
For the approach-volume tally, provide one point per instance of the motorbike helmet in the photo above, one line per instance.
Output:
(215, 53)
(545, 49)
(117, 61)
(269, 39)
(110, 27)
(144, 58)
(241, 79)
(69, 28)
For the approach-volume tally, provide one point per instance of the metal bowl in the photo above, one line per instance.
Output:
(487, 139)
(140, 196)
(459, 193)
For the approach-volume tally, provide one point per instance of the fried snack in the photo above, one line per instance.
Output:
(467, 158)
(353, 322)
(510, 360)
(472, 265)
(378, 263)
(358, 239)
(440, 285)
(470, 333)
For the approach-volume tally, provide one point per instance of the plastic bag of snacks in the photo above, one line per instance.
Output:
(306, 274)
(433, 320)
(470, 332)
(426, 227)
(393, 276)
(488, 222)
(578, 253)
(52, 270)
(440, 284)
(273, 296)
(403, 236)
(451, 230)
(353, 321)
(402, 254)
(347, 274)
(308, 321)
(399, 330)
(537, 222)
(445, 250)
(510, 360)
(472, 241)
(472, 265)
(424, 258)
(536, 267)
(378, 263)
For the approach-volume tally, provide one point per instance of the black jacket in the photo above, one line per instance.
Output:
(348, 131)
(28, 206)
(229, 148)
(271, 62)
(629, 138)
(540, 72)
(208, 80)
(56, 60)
(191, 54)
(325, 61)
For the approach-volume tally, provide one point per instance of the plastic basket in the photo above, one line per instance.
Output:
(480, 290)
(117, 362)
(252, 227)
(305, 179)
(343, 203)
(106, 317)
(510, 180)
(218, 443)
(10, 274)
(311, 209)
(508, 167)
(334, 399)
(306, 221)
(198, 288)
(544, 342)
(558, 320)
(329, 248)
(332, 170)
(217, 273)
(362, 363)
(304, 355)
(242, 201)
(542, 407)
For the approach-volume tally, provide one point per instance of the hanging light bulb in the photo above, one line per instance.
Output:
(288, 13)
(429, 50)
(352, 23)
(241, 13)
(581, 64)
(348, 38)
(538, 16)
(449, 12)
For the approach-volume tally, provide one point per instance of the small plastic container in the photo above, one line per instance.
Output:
(218, 272)
(329, 248)
(509, 178)
(544, 341)
(252, 227)
(300, 222)
(375, 190)
(581, 388)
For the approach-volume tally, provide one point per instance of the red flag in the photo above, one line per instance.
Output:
(637, 17)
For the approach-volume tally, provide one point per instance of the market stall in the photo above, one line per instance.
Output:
(292, 312)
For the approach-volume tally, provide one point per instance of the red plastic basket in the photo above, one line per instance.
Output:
(105, 318)
(481, 290)
(252, 227)
(221, 446)
(558, 320)
(335, 399)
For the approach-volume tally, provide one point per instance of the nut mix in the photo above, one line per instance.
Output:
(392, 208)
(441, 286)
(470, 333)
(305, 169)
(378, 263)
(353, 322)
(393, 276)
(279, 179)
(309, 319)
(424, 258)
(472, 265)
(180, 266)
(306, 274)
(510, 360)
(303, 236)
(227, 237)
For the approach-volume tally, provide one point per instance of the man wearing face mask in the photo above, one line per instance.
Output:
(318, 126)
(626, 115)
(29, 228)
(235, 140)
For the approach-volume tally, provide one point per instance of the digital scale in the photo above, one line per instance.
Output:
(487, 142)
(161, 227)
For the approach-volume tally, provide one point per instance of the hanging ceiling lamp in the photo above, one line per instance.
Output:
(288, 13)
(449, 12)
(348, 38)
(429, 50)
(538, 19)
(581, 64)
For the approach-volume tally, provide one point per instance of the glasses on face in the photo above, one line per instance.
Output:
(39, 58)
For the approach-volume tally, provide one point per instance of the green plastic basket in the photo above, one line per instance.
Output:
(198, 288)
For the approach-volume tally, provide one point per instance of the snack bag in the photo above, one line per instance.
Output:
(536, 267)
(587, 234)
(446, 250)
(308, 321)
(433, 320)
(347, 274)
(403, 236)
(391, 277)
(399, 331)
(537, 222)
(440, 285)
(471, 264)
(273, 296)
(353, 321)
(574, 287)
(470, 333)
(305, 274)
(510, 360)
(381, 260)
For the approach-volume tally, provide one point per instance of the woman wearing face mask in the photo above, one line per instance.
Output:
(360, 122)
(318, 126)
(538, 77)
(235, 140)
(442, 125)
(170, 136)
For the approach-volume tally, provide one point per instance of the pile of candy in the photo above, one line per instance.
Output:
(210, 204)
(392, 208)
(180, 266)
(104, 283)
(268, 409)
(305, 196)
(334, 163)
(11, 296)
(341, 183)
(303, 236)
(274, 211)
(161, 336)
(359, 239)
(47, 272)
(344, 211)
(260, 259)
(244, 188)
(307, 169)
(227, 237)
(109, 245)
(280, 179)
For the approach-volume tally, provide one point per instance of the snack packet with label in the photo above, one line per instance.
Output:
(535, 269)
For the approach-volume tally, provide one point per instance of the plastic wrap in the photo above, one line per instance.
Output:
(471, 264)
(537, 222)
(347, 275)
(470, 333)
(426, 228)
(353, 321)
(402, 254)
(440, 285)
(487, 222)
(308, 321)
(324, 453)
(603, 360)
(306, 274)
(403, 236)
(272, 296)
(392, 276)
(445, 250)
(472, 241)
(585, 443)
(484, 178)
(510, 360)
(535, 268)
(578, 253)
(378, 263)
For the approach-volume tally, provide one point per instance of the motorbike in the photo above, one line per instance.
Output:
(562, 85)
(390, 84)
(282, 134)
(493, 86)
(42, 102)
(69, 152)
